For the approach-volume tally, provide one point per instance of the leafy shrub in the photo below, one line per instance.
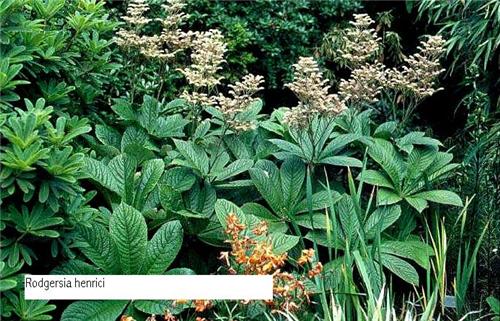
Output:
(62, 48)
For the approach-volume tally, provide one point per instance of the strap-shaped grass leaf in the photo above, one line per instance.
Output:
(163, 248)
(441, 197)
(93, 310)
(129, 232)
(401, 268)
(97, 245)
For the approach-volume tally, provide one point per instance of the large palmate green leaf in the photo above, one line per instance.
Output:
(129, 232)
(410, 178)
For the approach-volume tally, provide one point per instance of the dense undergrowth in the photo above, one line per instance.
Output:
(136, 138)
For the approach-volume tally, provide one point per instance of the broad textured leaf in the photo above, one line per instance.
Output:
(441, 197)
(194, 155)
(108, 136)
(266, 178)
(401, 268)
(387, 197)
(342, 161)
(179, 178)
(382, 152)
(170, 126)
(318, 219)
(413, 250)
(376, 178)
(170, 198)
(163, 248)
(98, 247)
(258, 210)
(100, 173)
(337, 144)
(201, 199)
(224, 207)
(235, 168)
(129, 232)
(348, 219)
(320, 201)
(419, 204)
(418, 162)
(321, 237)
(150, 176)
(283, 242)
(288, 147)
(292, 173)
(122, 168)
(381, 219)
(75, 267)
(93, 310)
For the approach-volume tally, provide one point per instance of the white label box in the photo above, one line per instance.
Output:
(148, 287)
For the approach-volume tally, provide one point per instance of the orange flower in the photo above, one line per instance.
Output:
(167, 316)
(316, 270)
(202, 305)
(306, 257)
(261, 228)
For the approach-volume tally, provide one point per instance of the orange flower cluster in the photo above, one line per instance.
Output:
(253, 254)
